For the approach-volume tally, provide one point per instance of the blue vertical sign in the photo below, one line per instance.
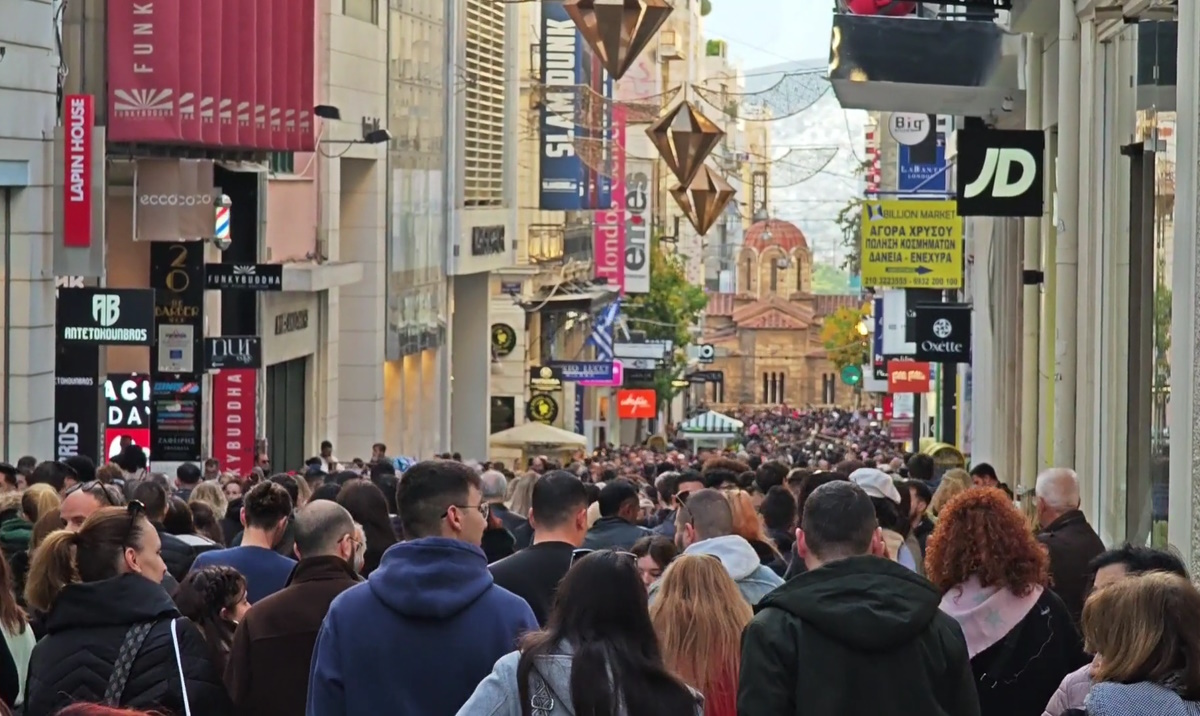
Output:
(878, 362)
(917, 175)
(579, 411)
(567, 67)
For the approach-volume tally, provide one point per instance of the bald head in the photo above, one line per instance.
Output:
(493, 485)
(320, 526)
(1058, 487)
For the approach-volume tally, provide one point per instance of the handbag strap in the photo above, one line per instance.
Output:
(123, 666)
(187, 708)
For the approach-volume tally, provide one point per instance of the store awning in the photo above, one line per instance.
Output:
(585, 298)
(539, 434)
(711, 424)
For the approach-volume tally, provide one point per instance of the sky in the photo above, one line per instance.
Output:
(767, 32)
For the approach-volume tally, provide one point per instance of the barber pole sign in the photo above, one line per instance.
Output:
(235, 395)
(77, 176)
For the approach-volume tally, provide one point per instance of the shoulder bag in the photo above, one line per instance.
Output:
(123, 666)
(187, 708)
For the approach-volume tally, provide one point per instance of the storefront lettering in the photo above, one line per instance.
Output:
(291, 322)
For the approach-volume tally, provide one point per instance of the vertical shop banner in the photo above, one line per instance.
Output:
(232, 59)
(878, 362)
(143, 71)
(579, 397)
(305, 99)
(280, 45)
(191, 61)
(76, 401)
(247, 75)
(922, 166)
(264, 69)
(560, 167)
(638, 218)
(291, 97)
(596, 127)
(78, 172)
(608, 247)
(177, 275)
(128, 411)
(210, 80)
(233, 401)
(175, 431)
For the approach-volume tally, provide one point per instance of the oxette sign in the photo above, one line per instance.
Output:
(105, 316)
(943, 332)
(222, 73)
(80, 116)
(634, 404)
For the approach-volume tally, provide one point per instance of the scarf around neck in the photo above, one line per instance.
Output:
(986, 614)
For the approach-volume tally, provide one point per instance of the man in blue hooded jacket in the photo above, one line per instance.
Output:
(428, 625)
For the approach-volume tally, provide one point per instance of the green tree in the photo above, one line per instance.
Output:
(849, 220)
(705, 8)
(843, 342)
(667, 313)
(830, 280)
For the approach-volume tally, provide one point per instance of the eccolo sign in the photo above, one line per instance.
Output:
(912, 244)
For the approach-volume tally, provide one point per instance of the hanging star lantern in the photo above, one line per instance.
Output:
(684, 138)
(617, 30)
(704, 199)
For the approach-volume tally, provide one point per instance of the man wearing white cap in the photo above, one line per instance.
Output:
(890, 510)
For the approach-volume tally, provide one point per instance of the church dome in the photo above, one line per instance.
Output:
(774, 232)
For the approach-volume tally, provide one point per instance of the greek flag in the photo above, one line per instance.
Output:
(602, 331)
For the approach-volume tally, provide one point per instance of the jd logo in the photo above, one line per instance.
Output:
(997, 173)
(106, 309)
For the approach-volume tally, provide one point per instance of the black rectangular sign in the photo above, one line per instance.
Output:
(77, 400)
(487, 240)
(706, 376)
(1001, 172)
(175, 432)
(244, 277)
(105, 316)
(233, 352)
(545, 378)
(944, 333)
(177, 275)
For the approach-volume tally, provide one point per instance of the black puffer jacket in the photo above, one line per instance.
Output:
(179, 553)
(85, 629)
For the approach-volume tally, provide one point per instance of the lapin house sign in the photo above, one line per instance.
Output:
(77, 201)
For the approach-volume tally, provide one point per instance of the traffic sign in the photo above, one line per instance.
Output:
(912, 244)
(852, 375)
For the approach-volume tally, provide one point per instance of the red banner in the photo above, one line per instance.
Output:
(231, 83)
(80, 121)
(247, 76)
(262, 91)
(292, 95)
(633, 404)
(143, 71)
(112, 440)
(191, 61)
(308, 70)
(906, 376)
(210, 79)
(280, 44)
(234, 399)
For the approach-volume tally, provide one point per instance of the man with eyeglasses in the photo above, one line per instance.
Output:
(433, 618)
(267, 672)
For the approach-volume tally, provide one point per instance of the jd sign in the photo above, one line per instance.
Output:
(1000, 173)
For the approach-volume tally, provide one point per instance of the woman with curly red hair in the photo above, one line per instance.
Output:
(994, 580)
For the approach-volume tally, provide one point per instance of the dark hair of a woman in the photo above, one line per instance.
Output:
(367, 505)
(205, 522)
(205, 596)
(601, 611)
(89, 555)
(179, 517)
(661, 549)
(12, 616)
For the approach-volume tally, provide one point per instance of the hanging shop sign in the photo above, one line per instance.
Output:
(706, 376)
(615, 380)
(545, 378)
(221, 352)
(175, 431)
(76, 392)
(105, 316)
(1001, 173)
(635, 404)
(79, 116)
(504, 339)
(128, 411)
(943, 332)
(177, 275)
(173, 200)
(579, 371)
(244, 277)
(487, 240)
(233, 420)
(912, 244)
(542, 408)
(905, 376)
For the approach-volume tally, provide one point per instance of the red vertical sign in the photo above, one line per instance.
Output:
(231, 70)
(281, 63)
(247, 23)
(190, 62)
(210, 72)
(262, 96)
(291, 100)
(79, 120)
(143, 71)
(234, 400)
(308, 90)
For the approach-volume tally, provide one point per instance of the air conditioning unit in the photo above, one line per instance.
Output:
(668, 46)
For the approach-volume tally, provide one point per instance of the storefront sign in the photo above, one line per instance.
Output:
(504, 339)
(175, 431)
(80, 120)
(579, 371)
(234, 398)
(291, 322)
(244, 277)
(76, 407)
(545, 378)
(706, 376)
(233, 352)
(943, 332)
(1001, 172)
(487, 240)
(912, 244)
(634, 404)
(616, 381)
(128, 407)
(907, 376)
(542, 408)
(177, 275)
(105, 316)
(173, 200)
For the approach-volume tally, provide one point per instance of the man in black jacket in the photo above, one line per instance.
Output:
(620, 510)
(855, 634)
(177, 553)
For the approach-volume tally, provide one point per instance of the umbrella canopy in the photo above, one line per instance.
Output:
(537, 434)
(711, 423)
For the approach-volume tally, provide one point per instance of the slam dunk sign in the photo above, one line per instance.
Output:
(912, 244)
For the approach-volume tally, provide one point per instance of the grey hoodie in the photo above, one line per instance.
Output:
(754, 579)
(498, 694)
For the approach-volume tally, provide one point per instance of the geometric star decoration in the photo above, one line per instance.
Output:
(684, 138)
(704, 199)
(617, 30)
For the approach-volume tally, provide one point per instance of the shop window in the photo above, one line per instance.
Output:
(365, 10)
(503, 413)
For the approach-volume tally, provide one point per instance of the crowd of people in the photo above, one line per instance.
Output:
(807, 571)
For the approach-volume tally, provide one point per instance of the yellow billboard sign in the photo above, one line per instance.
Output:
(912, 244)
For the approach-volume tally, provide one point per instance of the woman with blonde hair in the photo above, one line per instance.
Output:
(1146, 638)
(954, 482)
(38, 500)
(210, 493)
(699, 616)
(521, 497)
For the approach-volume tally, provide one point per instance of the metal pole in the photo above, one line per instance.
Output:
(7, 357)
(1066, 258)
(1030, 297)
